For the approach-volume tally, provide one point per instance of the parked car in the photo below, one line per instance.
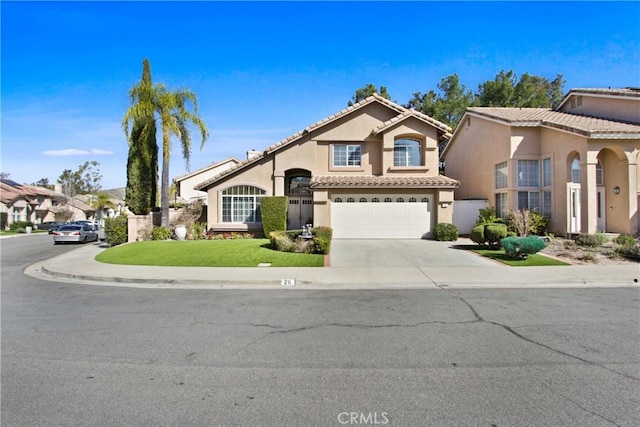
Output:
(93, 224)
(75, 233)
(49, 225)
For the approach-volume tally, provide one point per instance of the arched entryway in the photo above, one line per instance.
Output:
(300, 196)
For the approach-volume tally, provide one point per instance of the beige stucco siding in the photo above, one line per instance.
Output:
(472, 158)
(608, 107)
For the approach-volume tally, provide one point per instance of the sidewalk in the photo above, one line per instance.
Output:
(79, 266)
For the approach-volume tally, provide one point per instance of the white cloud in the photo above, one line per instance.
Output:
(76, 152)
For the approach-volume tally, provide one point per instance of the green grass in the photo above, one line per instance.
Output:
(534, 260)
(206, 253)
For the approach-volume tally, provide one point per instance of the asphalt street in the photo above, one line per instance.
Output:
(109, 356)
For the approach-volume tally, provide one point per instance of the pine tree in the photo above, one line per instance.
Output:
(142, 163)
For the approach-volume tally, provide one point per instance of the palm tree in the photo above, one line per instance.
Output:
(172, 113)
(101, 202)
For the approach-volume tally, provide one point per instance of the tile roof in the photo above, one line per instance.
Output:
(590, 127)
(412, 113)
(402, 114)
(632, 92)
(371, 181)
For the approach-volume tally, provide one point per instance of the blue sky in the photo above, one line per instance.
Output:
(265, 70)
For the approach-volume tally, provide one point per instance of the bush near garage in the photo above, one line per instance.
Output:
(521, 247)
(290, 241)
(444, 232)
(116, 230)
(273, 210)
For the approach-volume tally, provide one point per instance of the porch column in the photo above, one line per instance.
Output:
(632, 194)
(590, 198)
(278, 183)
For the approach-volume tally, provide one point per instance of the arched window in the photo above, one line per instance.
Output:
(299, 184)
(387, 199)
(406, 152)
(575, 170)
(363, 199)
(337, 200)
(241, 204)
(413, 200)
(400, 200)
(375, 200)
(350, 200)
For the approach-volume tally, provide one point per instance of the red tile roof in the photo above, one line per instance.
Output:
(370, 181)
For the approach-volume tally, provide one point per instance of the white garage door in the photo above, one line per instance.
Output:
(409, 219)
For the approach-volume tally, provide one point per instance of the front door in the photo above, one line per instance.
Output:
(300, 212)
(602, 221)
(574, 209)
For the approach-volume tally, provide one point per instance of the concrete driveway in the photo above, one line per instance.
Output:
(376, 253)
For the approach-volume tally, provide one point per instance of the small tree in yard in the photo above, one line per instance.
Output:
(274, 214)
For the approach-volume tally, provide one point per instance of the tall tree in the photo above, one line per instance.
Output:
(172, 113)
(43, 182)
(141, 193)
(364, 92)
(529, 91)
(82, 181)
(448, 106)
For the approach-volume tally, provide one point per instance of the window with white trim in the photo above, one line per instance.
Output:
(575, 170)
(406, 152)
(347, 155)
(241, 204)
(528, 173)
(501, 175)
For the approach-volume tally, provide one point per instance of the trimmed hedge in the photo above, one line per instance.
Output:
(116, 230)
(274, 213)
(14, 226)
(520, 247)
(591, 240)
(444, 232)
(489, 234)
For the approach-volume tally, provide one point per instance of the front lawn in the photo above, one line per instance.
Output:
(206, 253)
(533, 260)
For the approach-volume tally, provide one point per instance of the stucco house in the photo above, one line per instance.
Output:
(185, 183)
(21, 202)
(370, 170)
(578, 163)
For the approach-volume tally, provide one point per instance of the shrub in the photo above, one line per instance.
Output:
(625, 239)
(274, 213)
(527, 222)
(493, 233)
(20, 230)
(116, 230)
(444, 232)
(477, 234)
(161, 233)
(15, 226)
(521, 247)
(196, 230)
(591, 240)
(488, 216)
(631, 250)
(322, 239)
(280, 241)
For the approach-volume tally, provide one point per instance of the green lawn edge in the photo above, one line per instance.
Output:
(206, 253)
(533, 260)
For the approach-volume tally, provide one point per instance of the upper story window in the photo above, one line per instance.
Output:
(241, 204)
(406, 152)
(347, 155)
(501, 175)
(528, 173)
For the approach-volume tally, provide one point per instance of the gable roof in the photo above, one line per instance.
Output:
(629, 92)
(591, 127)
(403, 114)
(206, 168)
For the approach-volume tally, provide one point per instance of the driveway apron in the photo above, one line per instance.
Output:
(377, 253)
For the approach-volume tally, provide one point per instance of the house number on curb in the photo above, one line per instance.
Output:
(288, 282)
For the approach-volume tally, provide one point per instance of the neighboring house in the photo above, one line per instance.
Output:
(185, 184)
(369, 171)
(20, 202)
(577, 163)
